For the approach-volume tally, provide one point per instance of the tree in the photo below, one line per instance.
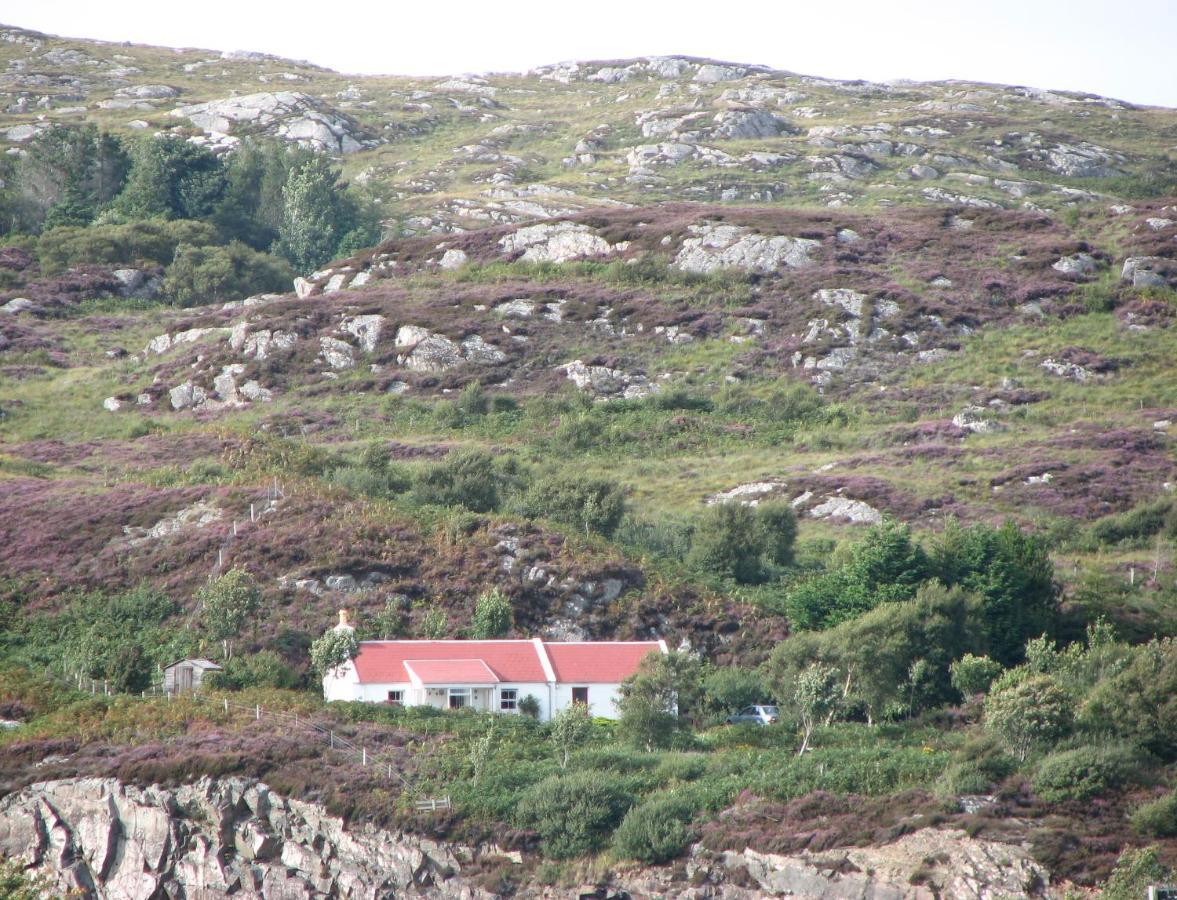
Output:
(730, 688)
(316, 214)
(653, 698)
(776, 524)
(227, 602)
(972, 675)
(1027, 712)
(67, 174)
(1012, 571)
(580, 501)
(571, 727)
(203, 275)
(729, 542)
(492, 615)
(1136, 870)
(815, 696)
(574, 813)
(469, 478)
(171, 178)
(332, 650)
(251, 208)
(434, 623)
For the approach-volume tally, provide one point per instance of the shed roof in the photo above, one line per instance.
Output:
(196, 663)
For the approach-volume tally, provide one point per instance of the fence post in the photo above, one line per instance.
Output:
(364, 756)
(226, 702)
(331, 737)
(252, 517)
(257, 711)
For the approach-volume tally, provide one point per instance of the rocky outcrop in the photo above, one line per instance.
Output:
(291, 116)
(715, 247)
(608, 384)
(212, 839)
(236, 838)
(555, 242)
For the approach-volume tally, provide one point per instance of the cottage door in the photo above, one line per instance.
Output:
(184, 679)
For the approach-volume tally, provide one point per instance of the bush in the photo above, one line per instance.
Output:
(573, 814)
(333, 649)
(469, 478)
(1084, 773)
(1027, 713)
(492, 615)
(655, 830)
(582, 502)
(739, 542)
(972, 675)
(200, 275)
(151, 240)
(1158, 818)
(727, 689)
(1135, 871)
(265, 669)
(977, 767)
(1137, 524)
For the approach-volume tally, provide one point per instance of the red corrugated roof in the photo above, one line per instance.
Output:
(451, 671)
(382, 662)
(597, 662)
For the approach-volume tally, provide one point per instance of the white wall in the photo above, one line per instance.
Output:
(600, 696)
(344, 685)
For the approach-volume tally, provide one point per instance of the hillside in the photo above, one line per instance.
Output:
(594, 338)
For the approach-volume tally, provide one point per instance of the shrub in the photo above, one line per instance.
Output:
(573, 814)
(977, 767)
(1137, 524)
(227, 602)
(469, 478)
(1158, 818)
(1028, 713)
(972, 675)
(727, 689)
(492, 615)
(582, 502)
(264, 669)
(529, 706)
(200, 275)
(655, 830)
(333, 649)
(151, 240)
(1084, 773)
(736, 541)
(1135, 871)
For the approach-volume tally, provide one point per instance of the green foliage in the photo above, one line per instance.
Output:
(886, 566)
(319, 217)
(655, 831)
(150, 240)
(204, 275)
(1157, 818)
(573, 814)
(201, 275)
(434, 623)
(264, 669)
(1145, 521)
(874, 653)
(18, 884)
(492, 615)
(1138, 703)
(1085, 772)
(1027, 713)
(570, 728)
(251, 207)
(469, 478)
(1136, 870)
(739, 542)
(972, 675)
(171, 178)
(334, 648)
(582, 502)
(227, 603)
(727, 689)
(390, 622)
(977, 766)
(815, 694)
(529, 706)
(651, 700)
(1012, 571)
(66, 175)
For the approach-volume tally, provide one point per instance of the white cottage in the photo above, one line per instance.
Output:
(490, 676)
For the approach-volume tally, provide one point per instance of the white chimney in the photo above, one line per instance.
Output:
(344, 621)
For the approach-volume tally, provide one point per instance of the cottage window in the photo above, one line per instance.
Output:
(396, 698)
(509, 699)
(580, 695)
(459, 698)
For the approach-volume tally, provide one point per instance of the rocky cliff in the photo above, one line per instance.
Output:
(236, 838)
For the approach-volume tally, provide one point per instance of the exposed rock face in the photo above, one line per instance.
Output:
(198, 515)
(1145, 271)
(236, 838)
(336, 353)
(976, 419)
(749, 494)
(844, 508)
(555, 242)
(366, 330)
(733, 247)
(294, 117)
(1076, 264)
(605, 383)
(751, 123)
(262, 343)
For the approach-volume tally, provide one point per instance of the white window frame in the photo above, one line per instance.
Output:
(396, 698)
(451, 693)
(511, 703)
(584, 688)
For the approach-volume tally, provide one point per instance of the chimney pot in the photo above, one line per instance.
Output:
(344, 619)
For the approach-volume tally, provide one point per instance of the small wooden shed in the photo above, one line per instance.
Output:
(186, 675)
